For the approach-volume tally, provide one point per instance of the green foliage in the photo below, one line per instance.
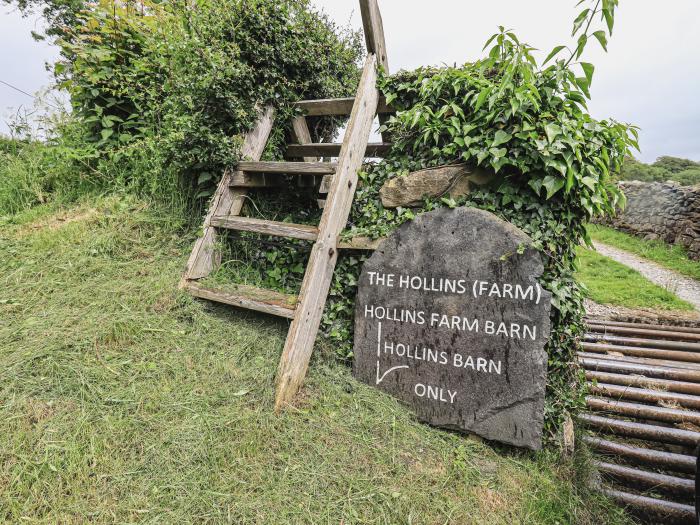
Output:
(609, 282)
(163, 91)
(555, 170)
(197, 76)
(683, 171)
(166, 90)
(583, 32)
(675, 165)
(58, 168)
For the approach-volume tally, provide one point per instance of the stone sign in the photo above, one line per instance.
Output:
(451, 319)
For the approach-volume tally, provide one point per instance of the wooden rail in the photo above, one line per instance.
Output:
(314, 290)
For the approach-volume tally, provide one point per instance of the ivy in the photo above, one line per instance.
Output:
(555, 169)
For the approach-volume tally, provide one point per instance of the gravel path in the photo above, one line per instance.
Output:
(684, 287)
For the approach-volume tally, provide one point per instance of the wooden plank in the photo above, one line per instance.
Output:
(326, 183)
(225, 201)
(248, 297)
(376, 42)
(274, 228)
(289, 168)
(302, 135)
(240, 179)
(374, 32)
(336, 107)
(333, 150)
(314, 290)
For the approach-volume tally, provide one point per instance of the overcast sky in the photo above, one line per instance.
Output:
(650, 77)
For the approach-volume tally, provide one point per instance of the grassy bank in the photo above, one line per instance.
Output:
(610, 282)
(671, 257)
(122, 400)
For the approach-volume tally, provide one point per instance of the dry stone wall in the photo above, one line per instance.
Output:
(665, 211)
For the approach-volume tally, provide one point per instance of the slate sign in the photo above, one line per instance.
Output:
(451, 320)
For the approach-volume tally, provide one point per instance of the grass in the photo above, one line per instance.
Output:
(610, 282)
(671, 257)
(123, 400)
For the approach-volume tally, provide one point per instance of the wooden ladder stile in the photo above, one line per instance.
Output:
(339, 180)
(319, 273)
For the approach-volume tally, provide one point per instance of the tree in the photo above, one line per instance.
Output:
(675, 164)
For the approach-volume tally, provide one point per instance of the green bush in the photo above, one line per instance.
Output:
(162, 92)
(683, 171)
(186, 80)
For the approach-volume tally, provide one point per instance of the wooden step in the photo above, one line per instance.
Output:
(274, 228)
(289, 168)
(333, 150)
(241, 179)
(249, 297)
(335, 107)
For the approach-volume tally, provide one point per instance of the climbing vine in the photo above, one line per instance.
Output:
(553, 166)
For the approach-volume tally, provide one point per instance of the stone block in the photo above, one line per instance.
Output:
(454, 181)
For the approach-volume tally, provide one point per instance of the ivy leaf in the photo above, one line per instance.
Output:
(602, 38)
(554, 53)
(482, 98)
(570, 179)
(590, 182)
(501, 138)
(204, 177)
(497, 153)
(552, 130)
(553, 185)
(106, 133)
(535, 184)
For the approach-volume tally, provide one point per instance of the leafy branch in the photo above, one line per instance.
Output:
(582, 27)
